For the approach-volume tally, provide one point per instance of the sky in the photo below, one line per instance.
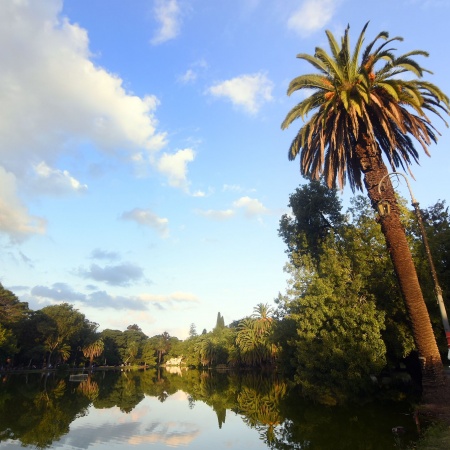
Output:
(143, 170)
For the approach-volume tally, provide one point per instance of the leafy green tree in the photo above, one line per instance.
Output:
(193, 330)
(316, 211)
(162, 345)
(130, 344)
(12, 310)
(12, 313)
(112, 339)
(365, 247)
(436, 222)
(148, 353)
(338, 343)
(361, 110)
(8, 345)
(220, 322)
(64, 325)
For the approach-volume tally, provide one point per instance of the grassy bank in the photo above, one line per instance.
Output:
(436, 437)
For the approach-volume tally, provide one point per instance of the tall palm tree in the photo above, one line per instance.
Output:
(362, 118)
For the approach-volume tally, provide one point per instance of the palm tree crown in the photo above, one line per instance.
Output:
(357, 95)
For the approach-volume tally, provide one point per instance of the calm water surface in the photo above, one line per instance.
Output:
(191, 410)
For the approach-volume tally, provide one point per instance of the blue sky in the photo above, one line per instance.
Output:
(143, 170)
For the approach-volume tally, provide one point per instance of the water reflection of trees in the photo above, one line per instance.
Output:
(38, 409)
(259, 401)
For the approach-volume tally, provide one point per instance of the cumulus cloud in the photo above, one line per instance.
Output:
(101, 299)
(98, 253)
(168, 15)
(54, 94)
(191, 74)
(251, 207)
(54, 98)
(188, 77)
(312, 15)
(248, 92)
(15, 220)
(231, 187)
(170, 300)
(119, 275)
(174, 166)
(149, 219)
(60, 292)
(217, 214)
(55, 181)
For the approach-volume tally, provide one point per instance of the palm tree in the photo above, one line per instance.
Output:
(362, 111)
(93, 350)
(263, 319)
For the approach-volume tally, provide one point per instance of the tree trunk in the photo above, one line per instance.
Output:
(374, 170)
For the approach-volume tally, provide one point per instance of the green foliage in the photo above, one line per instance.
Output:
(220, 322)
(12, 310)
(338, 343)
(361, 96)
(254, 343)
(193, 330)
(93, 349)
(63, 326)
(316, 211)
(436, 220)
(8, 344)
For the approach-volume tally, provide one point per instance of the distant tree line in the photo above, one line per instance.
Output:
(338, 326)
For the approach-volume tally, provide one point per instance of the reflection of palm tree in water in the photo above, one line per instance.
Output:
(261, 406)
(89, 388)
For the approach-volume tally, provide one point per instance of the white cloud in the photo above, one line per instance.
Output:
(166, 301)
(120, 275)
(54, 97)
(217, 214)
(168, 14)
(176, 297)
(251, 207)
(149, 219)
(231, 187)
(249, 92)
(15, 220)
(104, 254)
(53, 93)
(312, 15)
(192, 73)
(174, 167)
(55, 181)
(188, 77)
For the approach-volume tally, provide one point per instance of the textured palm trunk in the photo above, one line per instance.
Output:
(374, 170)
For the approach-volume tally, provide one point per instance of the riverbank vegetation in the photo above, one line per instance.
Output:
(340, 329)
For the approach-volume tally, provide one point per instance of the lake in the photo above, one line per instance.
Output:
(190, 410)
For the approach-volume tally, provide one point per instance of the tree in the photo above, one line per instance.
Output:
(162, 345)
(338, 341)
(193, 331)
(12, 310)
(93, 350)
(220, 322)
(316, 211)
(362, 111)
(253, 337)
(63, 324)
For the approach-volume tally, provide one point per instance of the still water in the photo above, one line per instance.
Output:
(188, 410)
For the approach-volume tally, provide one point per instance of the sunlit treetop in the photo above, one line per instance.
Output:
(370, 94)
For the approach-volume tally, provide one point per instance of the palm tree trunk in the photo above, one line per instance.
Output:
(374, 170)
